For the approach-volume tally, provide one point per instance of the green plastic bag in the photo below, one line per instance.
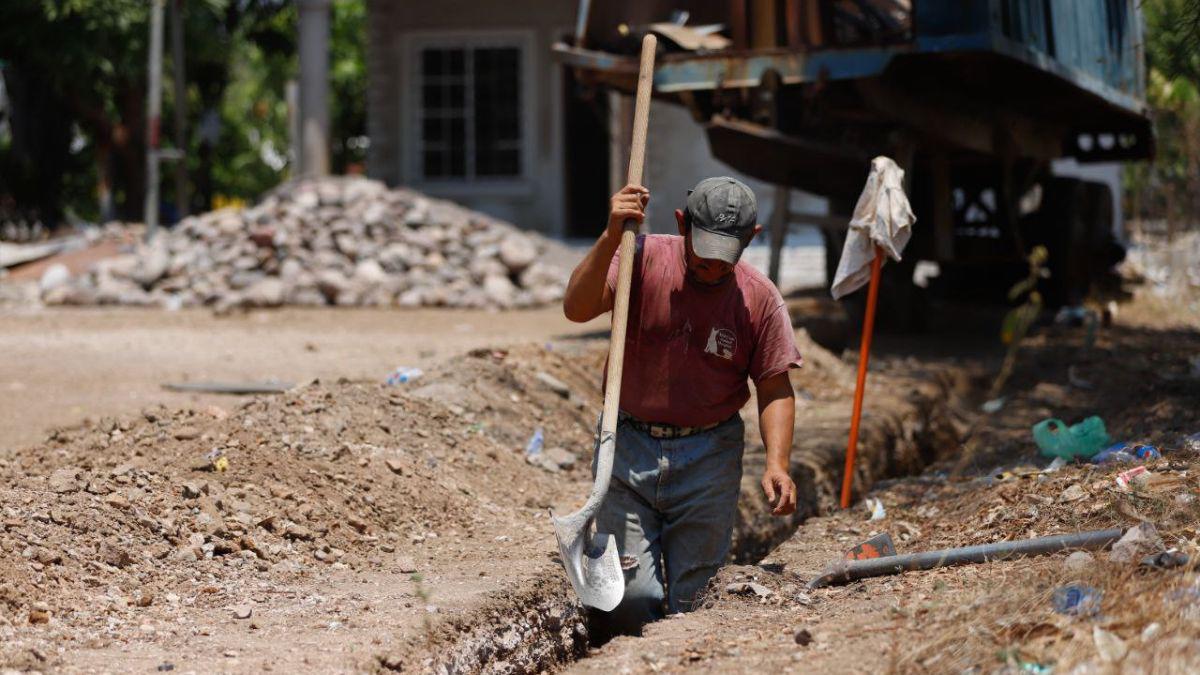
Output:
(1056, 439)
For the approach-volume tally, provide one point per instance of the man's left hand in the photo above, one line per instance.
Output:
(777, 485)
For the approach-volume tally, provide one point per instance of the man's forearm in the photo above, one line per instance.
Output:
(584, 297)
(776, 420)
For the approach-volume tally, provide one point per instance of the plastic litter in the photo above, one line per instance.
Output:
(1085, 439)
(218, 460)
(1138, 475)
(875, 506)
(1057, 464)
(1126, 452)
(536, 442)
(1077, 600)
(403, 375)
(994, 406)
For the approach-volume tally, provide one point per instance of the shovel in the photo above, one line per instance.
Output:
(591, 560)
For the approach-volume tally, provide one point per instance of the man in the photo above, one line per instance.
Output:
(700, 324)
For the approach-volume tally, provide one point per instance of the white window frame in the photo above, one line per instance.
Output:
(411, 167)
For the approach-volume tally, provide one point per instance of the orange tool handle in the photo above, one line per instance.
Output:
(864, 355)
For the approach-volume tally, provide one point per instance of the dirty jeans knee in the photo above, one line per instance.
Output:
(641, 604)
(626, 514)
(687, 586)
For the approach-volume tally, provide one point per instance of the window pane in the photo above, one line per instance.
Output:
(497, 90)
(431, 130)
(431, 97)
(431, 62)
(434, 167)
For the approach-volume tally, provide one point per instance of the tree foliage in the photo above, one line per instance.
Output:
(75, 74)
(1169, 187)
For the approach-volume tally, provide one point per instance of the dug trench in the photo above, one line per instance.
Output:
(916, 416)
(351, 525)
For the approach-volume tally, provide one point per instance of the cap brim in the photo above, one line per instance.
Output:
(713, 246)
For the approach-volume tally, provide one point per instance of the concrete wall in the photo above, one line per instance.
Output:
(395, 27)
(677, 150)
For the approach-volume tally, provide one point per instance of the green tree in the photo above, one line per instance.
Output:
(1169, 187)
(75, 73)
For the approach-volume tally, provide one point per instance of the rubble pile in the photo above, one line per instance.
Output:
(333, 241)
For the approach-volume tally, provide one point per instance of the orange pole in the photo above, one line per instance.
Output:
(864, 355)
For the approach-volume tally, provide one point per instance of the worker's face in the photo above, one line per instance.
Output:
(703, 270)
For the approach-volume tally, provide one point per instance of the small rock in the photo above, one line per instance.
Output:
(748, 587)
(560, 457)
(64, 480)
(1151, 632)
(242, 612)
(395, 466)
(406, 564)
(1073, 493)
(803, 637)
(39, 613)
(1110, 647)
(1079, 561)
(145, 599)
(1138, 542)
(194, 490)
(55, 276)
(186, 433)
(554, 384)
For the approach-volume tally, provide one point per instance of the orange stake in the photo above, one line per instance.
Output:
(864, 355)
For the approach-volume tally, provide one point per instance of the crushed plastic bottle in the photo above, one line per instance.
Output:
(403, 375)
(1126, 452)
(536, 442)
(1077, 600)
(1056, 439)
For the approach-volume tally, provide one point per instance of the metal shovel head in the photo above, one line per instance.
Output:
(591, 561)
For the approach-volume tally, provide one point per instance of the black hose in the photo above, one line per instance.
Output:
(845, 571)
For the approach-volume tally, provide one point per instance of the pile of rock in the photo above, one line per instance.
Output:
(334, 241)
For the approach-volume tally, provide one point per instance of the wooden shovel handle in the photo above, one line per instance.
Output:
(620, 313)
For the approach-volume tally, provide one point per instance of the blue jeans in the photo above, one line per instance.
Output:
(671, 506)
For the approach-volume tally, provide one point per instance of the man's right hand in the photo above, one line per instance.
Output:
(629, 203)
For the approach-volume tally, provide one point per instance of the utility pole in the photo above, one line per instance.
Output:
(314, 87)
(179, 74)
(153, 116)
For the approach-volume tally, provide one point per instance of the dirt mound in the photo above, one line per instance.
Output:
(338, 241)
(108, 519)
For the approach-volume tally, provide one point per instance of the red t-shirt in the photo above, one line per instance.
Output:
(689, 347)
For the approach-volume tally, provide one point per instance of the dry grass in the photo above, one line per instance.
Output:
(1004, 614)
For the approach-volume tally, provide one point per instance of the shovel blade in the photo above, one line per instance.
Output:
(592, 563)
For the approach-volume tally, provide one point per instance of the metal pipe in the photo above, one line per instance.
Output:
(844, 571)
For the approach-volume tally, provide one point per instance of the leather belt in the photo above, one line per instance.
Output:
(667, 431)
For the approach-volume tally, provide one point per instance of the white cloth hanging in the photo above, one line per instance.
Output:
(881, 218)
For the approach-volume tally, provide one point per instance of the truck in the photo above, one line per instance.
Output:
(975, 99)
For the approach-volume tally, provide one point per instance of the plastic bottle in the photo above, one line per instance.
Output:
(534, 446)
(1056, 439)
(1126, 452)
(402, 375)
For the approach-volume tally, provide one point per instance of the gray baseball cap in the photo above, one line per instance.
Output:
(723, 212)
